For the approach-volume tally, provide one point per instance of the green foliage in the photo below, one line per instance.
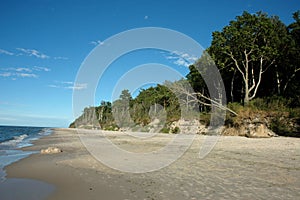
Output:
(104, 116)
(195, 79)
(237, 107)
(247, 48)
(149, 98)
(274, 111)
(125, 96)
(281, 126)
(205, 118)
(274, 103)
(121, 110)
(165, 130)
(176, 130)
(112, 127)
(285, 119)
(258, 58)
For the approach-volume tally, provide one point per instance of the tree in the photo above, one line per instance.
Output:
(294, 28)
(121, 109)
(125, 96)
(249, 45)
(291, 73)
(104, 114)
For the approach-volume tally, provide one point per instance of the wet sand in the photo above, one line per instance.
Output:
(237, 168)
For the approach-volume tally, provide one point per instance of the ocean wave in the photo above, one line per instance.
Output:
(6, 139)
(45, 131)
(12, 138)
(15, 140)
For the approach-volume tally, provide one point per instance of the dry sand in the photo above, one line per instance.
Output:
(237, 168)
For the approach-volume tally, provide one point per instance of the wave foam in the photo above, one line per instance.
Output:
(15, 141)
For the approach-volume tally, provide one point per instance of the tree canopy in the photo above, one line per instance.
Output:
(249, 45)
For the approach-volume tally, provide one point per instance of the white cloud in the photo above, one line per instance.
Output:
(14, 75)
(97, 42)
(6, 74)
(27, 75)
(2, 51)
(23, 72)
(27, 69)
(68, 85)
(45, 69)
(181, 62)
(60, 58)
(171, 57)
(181, 58)
(21, 69)
(53, 86)
(186, 56)
(67, 82)
(33, 52)
(78, 86)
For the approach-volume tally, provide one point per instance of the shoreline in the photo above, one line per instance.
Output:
(48, 169)
(237, 167)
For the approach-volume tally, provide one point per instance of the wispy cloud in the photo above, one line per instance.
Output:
(60, 58)
(22, 72)
(53, 86)
(181, 62)
(6, 74)
(21, 69)
(27, 75)
(69, 85)
(32, 52)
(78, 86)
(17, 74)
(181, 58)
(67, 82)
(97, 42)
(45, 69)
(2, 51)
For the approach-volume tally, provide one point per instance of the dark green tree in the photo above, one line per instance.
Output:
(104, 114)
(290, 74)
(125, 96)
(248, 46)
(121, 109)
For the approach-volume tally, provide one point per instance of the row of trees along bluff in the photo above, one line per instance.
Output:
(258, 58)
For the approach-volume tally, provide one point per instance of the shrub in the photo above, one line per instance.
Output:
(205, 118)
(111, 127)
(274, 111)
(165, 130)
(176, 130)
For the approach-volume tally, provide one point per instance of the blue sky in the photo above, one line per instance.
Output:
(44, 42)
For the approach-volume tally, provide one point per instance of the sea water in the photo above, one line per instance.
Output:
(12, 138)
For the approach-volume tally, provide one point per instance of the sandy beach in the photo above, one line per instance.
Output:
(237, 168)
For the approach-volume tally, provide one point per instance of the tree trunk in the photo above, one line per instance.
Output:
(246, 78)
(278, 81)
(231, 88)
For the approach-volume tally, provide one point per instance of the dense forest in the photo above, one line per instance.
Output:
(258, 58)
